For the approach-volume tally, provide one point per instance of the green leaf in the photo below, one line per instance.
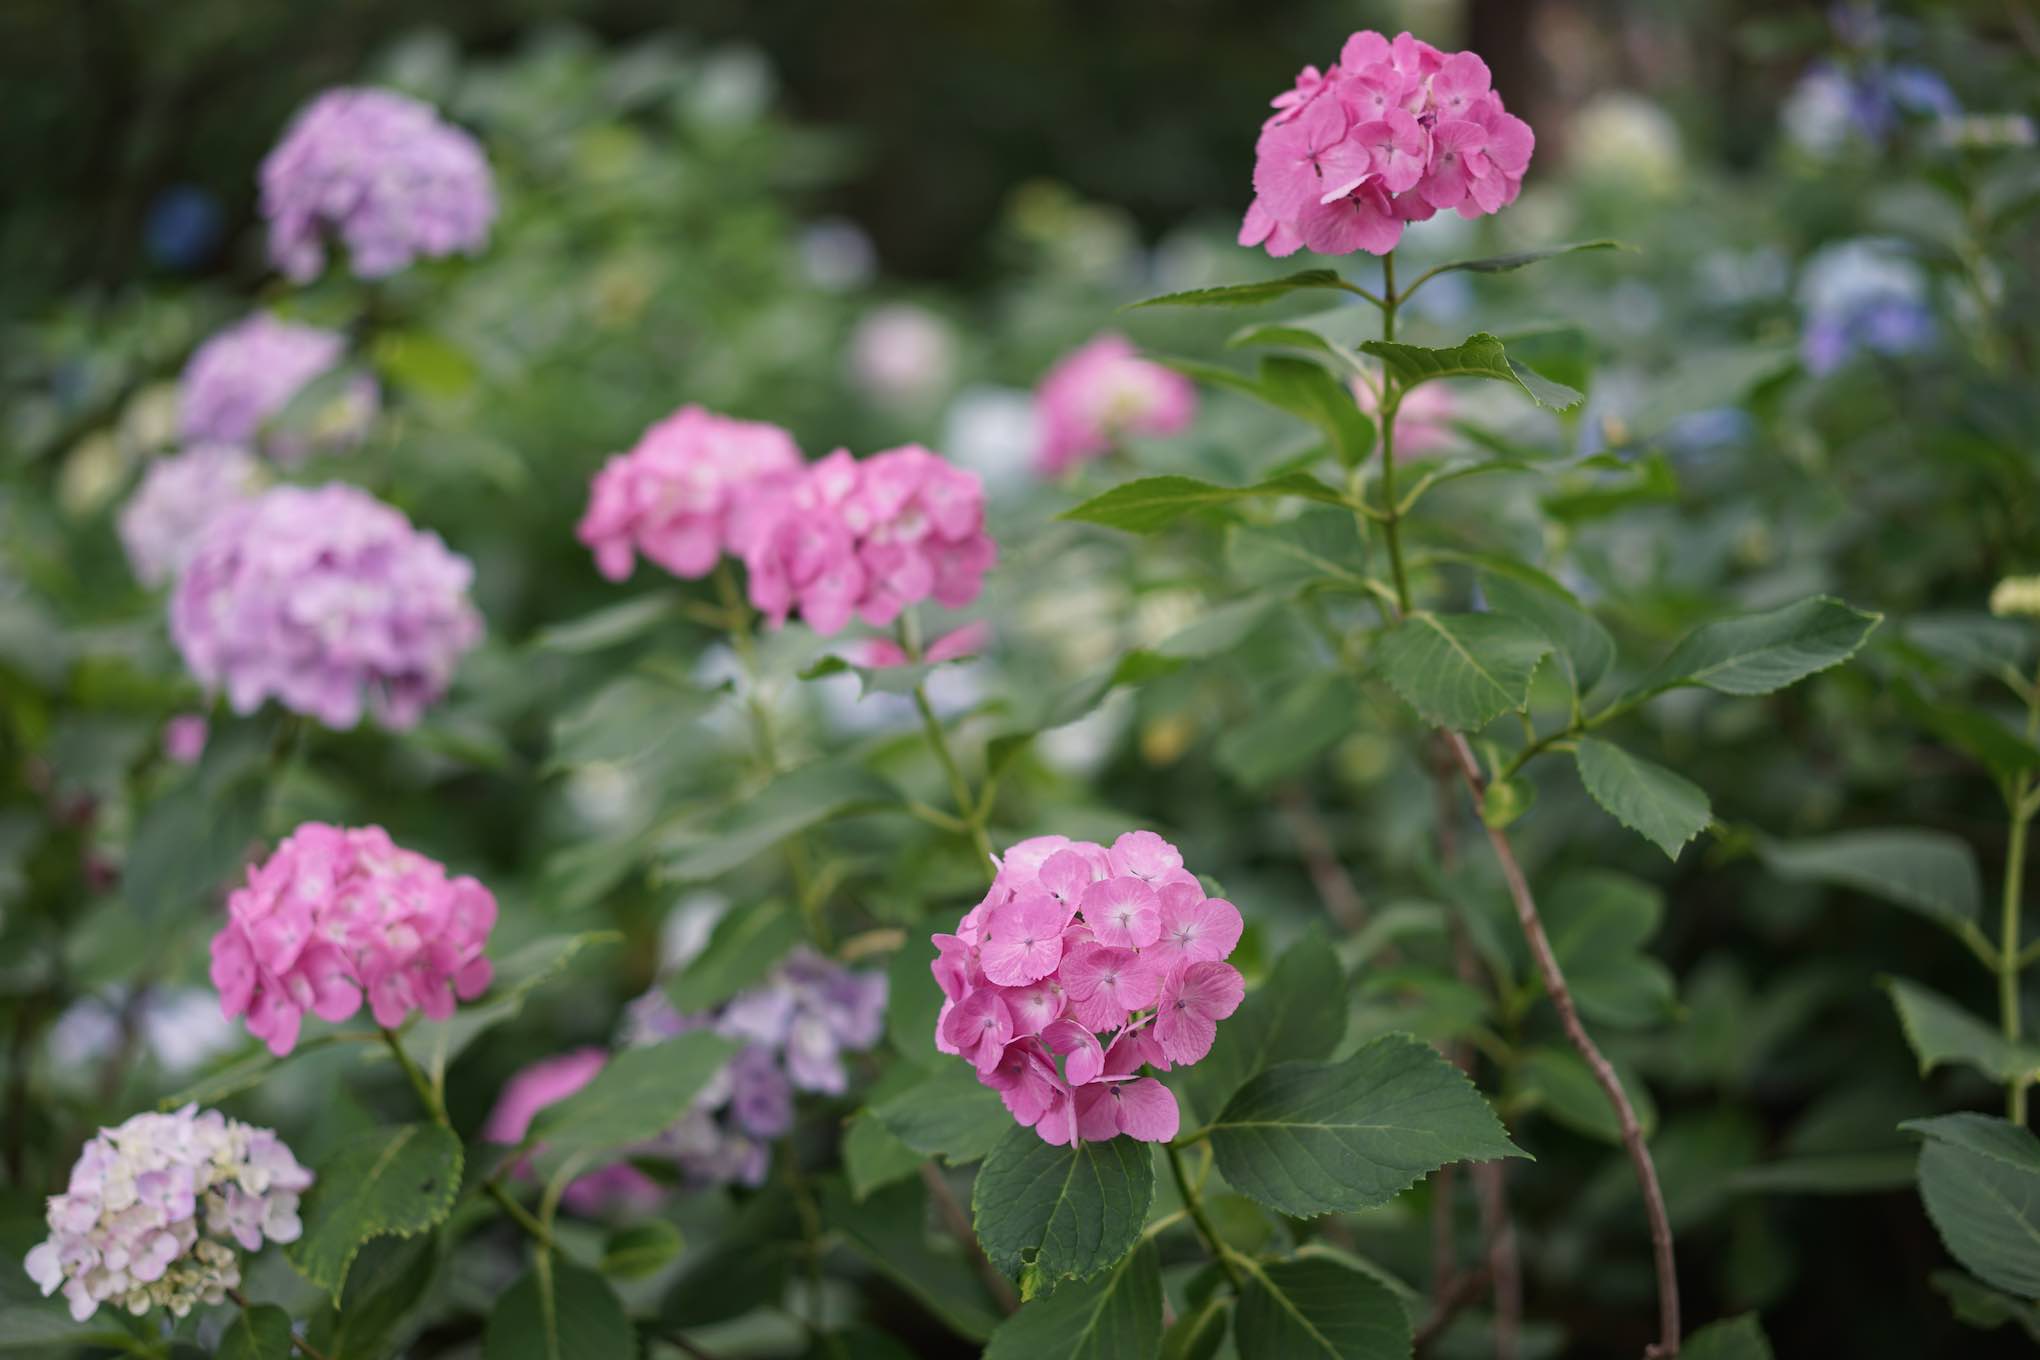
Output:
(890, 1230)
(1306, 390)
(434, 1044)
(1942, 1032)
(1560, 1083)
(1599, 922)
(1828, 1173)
(1502, 264)
(1525, 593)
(1149, 504)
(384, 1287)
(1318, 547)
(1461, 670)
(1246, 294)
(795, 801)
(873, 1155)
(188, 845)
(258, 1333)
(1980, 1178)
(46, 1329)
(627, 722)
(1478, 356)
(641, 1249)
(1737, 1338)
(1316, 1307)
(610, 625)
(1760, 653)
(559, 1311)
(1117, 1316)
(1281, 738)
(1197, 1335)
(1309, 1138)
(1930, 872)
(1664, 808)
(1212, 375)
(949, 1114)
(1300, 1012)
(742, 949)
(1978, 1305)
(1996, 747)
(424, 364)
(1219, 631)
(393, 1182)
(1046, 1213)
(636, 1096)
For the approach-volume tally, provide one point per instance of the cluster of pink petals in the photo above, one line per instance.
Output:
(238, 381)
(1097, 395)
(328, 600)
(163, 523)
(695, 487)
(381, 173)
(1391, 134)
(867, 538)
(547, 1082)
(338, 914)
(1083, 966)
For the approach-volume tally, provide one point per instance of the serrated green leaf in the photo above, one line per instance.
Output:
(1149, 504)
(1976, 1304)
(393, 1182)
(793, 802)
(640, 1249)
(948, 1114)
(1562, 1086)
(1309, 1138)
(1246, 294)
(1314, 1308)
(1502, 264)
(1299, 1013)
(1760, 653)
(1980, 1178)
(638, 1094)
(1117, 1316)
(1737, 1338)
(1461, 670)
(741, 950)
(1282, 737)
(1930, 872)
(1318, 547)
(1055, 1213)
(1478, 356)
(559, 1311)
(384, 1287)
(1663, 807)
(258, 1333)
(1940, 1031)
(1528, 594)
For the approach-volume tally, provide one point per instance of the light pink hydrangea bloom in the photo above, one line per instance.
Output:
(1083, 966)
(869, 538)
(696, 486)
(163, 522)
(619, 1186)
(1099, 394)
(337, 915)
(1423, 422)
(1392, 133)
(155, 1208)
(242, 378)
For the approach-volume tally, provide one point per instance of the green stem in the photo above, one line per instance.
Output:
(959, 787)
(1192, 1202)
(2008, 959)
(427, 1096)
(1391, 402)
(517, 1213)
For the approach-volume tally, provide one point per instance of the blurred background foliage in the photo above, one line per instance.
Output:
(721, 202)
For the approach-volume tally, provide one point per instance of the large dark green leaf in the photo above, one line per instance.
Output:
(1046, 1213)
(1117, 1316)
(1980, 1178)
(1759, 653)
(392, 1182)
(1942, 1032)
(949, 1114)
(1298, 1013)
(1314, 1308)
(1461, 670)
(1309, 1138)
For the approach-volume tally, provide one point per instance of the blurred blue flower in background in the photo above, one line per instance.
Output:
(181, 227)
(1863, 295)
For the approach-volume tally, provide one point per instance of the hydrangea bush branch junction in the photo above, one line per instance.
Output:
(767, 957)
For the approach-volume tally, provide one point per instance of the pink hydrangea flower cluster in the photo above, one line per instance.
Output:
(869, 538)
(1391, 134)
(241, 379)
(155, 1208)
(164, 521)
(382, 174)
(695, 487)
(1100, 393)
(1082, 967)
(338, 914)
(328, 600)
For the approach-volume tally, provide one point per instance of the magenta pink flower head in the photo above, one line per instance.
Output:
(241, 379)
(870, 538)
(337, 915)
(380, 173)
(1100, 393)
(1082, 967)
(694, 488)
(156, 1207)
(327, 600)
(1393, 133)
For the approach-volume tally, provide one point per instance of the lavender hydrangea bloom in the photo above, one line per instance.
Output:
(797, 1024)
(163, 522)
(1863, 296)
(241, 379)
(381, 173)
(327, 600)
